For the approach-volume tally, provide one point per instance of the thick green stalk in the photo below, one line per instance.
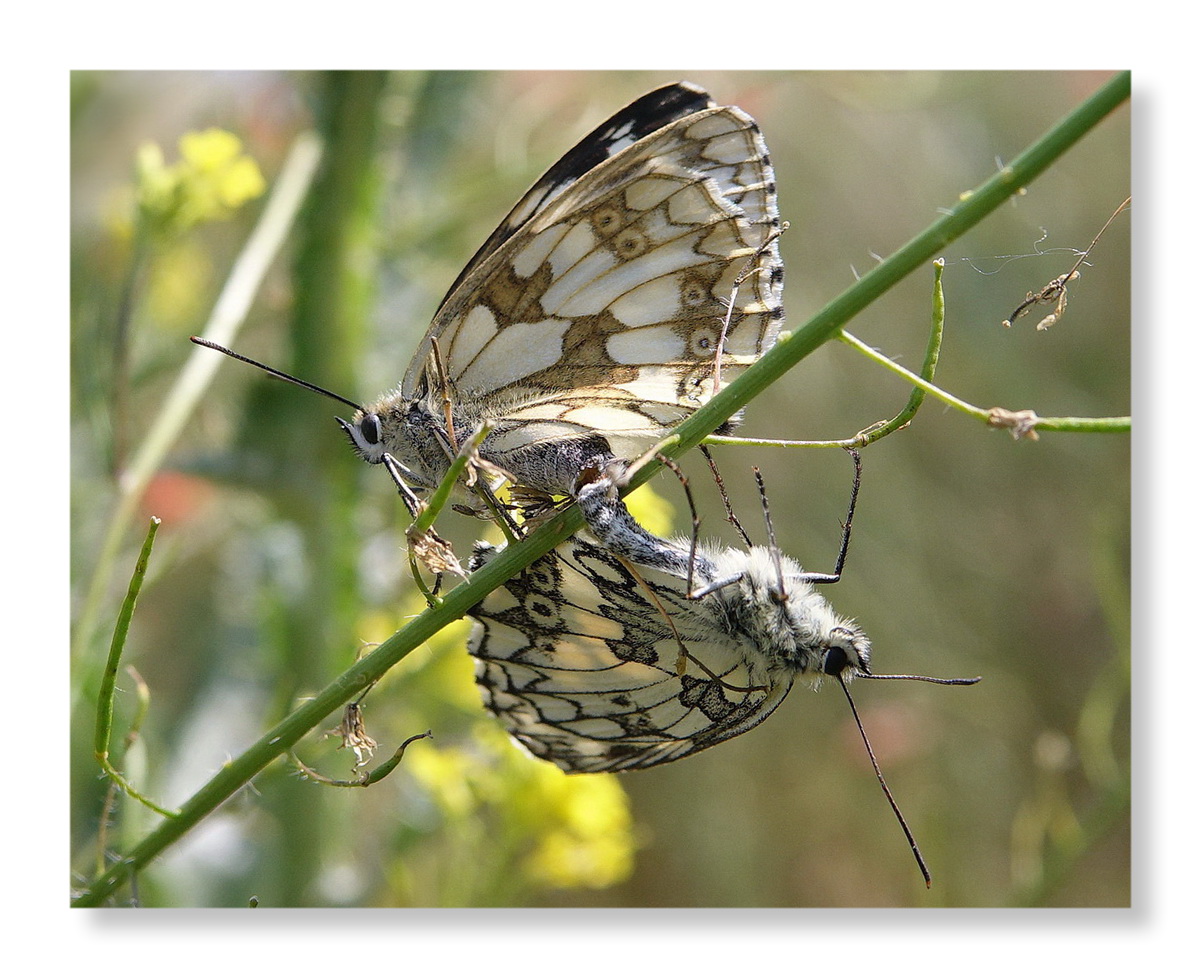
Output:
(316, 482)
(227, 316)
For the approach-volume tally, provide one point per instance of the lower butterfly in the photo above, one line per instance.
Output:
(634, 651)
(577, 658)
(580, 655)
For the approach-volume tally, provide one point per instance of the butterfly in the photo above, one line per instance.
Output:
(621, 650)
(590, 320)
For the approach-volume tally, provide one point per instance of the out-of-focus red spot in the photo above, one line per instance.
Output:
(176, 498)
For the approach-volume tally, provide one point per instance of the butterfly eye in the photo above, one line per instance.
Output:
(369, 427)
(835, 661)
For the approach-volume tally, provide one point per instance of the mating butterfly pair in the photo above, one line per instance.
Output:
(638, 276)
(638, 273)
(635, 276)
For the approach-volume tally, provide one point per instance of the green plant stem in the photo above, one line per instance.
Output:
(983, 414)
(108, 683)
(368, 778)
(316, 481)
(424, 520)
(279, 739)
(921, 385)
(938, 320)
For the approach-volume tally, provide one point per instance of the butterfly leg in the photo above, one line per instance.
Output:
(725, 499)
(817, 578)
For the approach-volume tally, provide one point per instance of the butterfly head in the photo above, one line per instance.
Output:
(366, 433)
(783, 615)
(823, 644)
(847, 651)
(407, 431)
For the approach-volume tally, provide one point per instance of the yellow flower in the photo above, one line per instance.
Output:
(557, 831)
(590, 843)
(211, 180)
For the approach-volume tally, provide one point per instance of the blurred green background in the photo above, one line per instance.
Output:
(280, 554)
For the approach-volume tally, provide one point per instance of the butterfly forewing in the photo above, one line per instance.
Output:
(579, 664)
(652, 111)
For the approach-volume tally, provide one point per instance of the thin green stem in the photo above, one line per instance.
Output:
(441, 495)
(368, 778)
(1105, 425)
(108, 682)
(921, 384)
(938, 320)
(423, 540)
(115, 786)
(1031, 421)
(280, 738)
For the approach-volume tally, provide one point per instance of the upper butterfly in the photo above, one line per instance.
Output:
(589, 322)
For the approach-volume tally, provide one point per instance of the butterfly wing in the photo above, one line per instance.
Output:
(599, 303)
(579, 663)
(652, 111)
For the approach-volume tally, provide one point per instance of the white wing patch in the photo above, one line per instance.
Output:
(513, 353)
(537, 250)
(652, 344)
(651, 302)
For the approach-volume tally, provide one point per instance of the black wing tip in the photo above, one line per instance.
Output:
(665, 104)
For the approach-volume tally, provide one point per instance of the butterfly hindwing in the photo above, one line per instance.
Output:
(578, 661)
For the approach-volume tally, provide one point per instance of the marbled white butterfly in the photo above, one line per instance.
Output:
(590, 320)
(580, 655)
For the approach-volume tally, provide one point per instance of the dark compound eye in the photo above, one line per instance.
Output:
(836, 660)
(369, 427)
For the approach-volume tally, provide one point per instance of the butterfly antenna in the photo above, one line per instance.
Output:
(917, 853)
(725, 499)
(864, 674)
(780, 595)
(200, 341)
